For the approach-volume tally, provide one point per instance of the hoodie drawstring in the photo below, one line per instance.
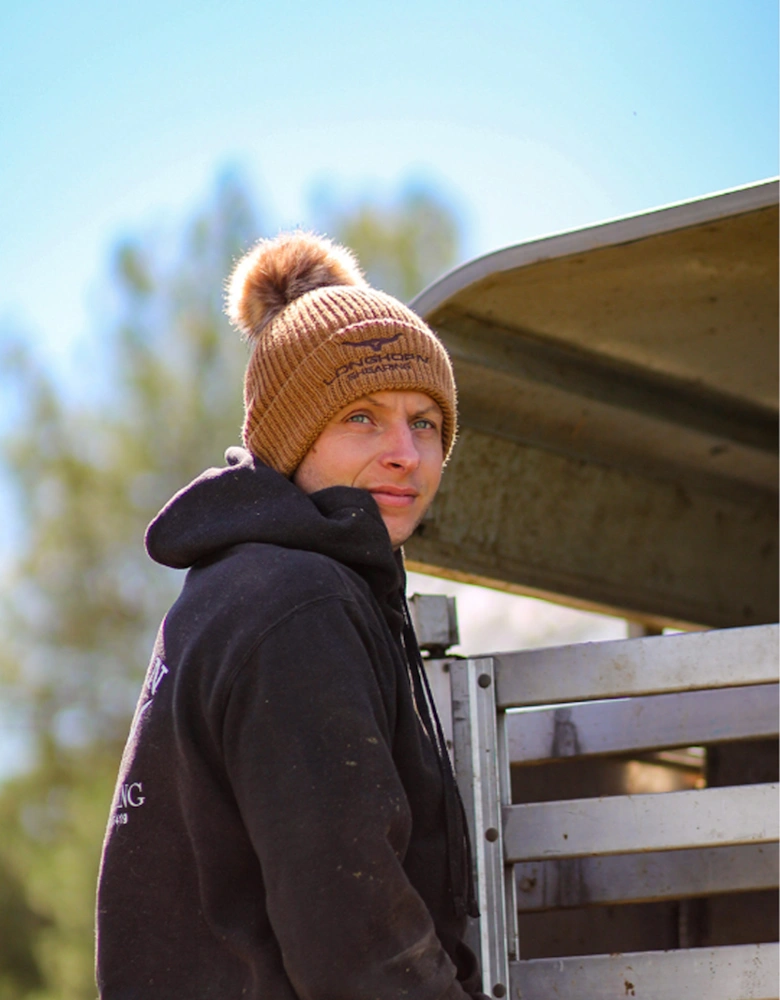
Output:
(458, 842)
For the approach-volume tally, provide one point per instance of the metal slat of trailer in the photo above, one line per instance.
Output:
(627, 668)
(483, 777)
(648, 877)
(729, 973)
(627, 824)
(654, 722)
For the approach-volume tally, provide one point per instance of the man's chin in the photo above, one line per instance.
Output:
(400, 533)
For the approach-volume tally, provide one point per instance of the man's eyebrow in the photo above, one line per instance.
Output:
(432, 407)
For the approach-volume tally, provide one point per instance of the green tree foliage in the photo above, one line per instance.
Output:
(52, 822)
(90, 473)
(402, 244)
(20, 972)
(159, 401)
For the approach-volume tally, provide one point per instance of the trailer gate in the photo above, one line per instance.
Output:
(640, 694)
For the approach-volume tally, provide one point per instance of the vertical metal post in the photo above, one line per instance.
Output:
(505, 799)
(478, 767)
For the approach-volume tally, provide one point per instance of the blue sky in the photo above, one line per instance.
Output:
(531, 116)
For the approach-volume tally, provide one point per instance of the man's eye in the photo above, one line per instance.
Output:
(424, 424)
(359, 418)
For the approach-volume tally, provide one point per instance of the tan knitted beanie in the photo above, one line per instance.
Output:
(322, 338)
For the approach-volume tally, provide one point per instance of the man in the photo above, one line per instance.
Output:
(286, 823)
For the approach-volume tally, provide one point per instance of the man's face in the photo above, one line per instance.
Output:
(388, 443)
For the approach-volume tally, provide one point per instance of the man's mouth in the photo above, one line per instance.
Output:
(394, 496)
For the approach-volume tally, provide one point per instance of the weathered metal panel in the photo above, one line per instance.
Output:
(655, 722)
(435, 619)
(573, 401)
(739, 972)
(648, 877)
(510, 885)
(690, 291)
(438, 672)
(630, 667)
(519, 517)
(618, 390)
(628, 824)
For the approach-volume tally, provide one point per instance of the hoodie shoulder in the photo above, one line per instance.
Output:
(276, 575)
(231, 604)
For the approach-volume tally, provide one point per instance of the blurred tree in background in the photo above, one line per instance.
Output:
(403, 245)
(160, 401)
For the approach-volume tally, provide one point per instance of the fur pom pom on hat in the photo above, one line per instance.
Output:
(279, 271)
(321, 338)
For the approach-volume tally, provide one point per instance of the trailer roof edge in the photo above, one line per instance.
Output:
(627, 229)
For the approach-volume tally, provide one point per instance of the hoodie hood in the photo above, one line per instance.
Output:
(249, 502)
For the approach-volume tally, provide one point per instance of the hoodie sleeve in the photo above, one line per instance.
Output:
(308, 745)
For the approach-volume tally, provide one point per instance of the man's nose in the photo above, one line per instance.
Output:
(401, 448)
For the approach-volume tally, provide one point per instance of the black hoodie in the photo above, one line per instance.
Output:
(278, 829)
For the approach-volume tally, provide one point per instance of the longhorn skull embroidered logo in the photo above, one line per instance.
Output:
(374, 343)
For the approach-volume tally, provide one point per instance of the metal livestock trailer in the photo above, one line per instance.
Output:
(618, 392)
